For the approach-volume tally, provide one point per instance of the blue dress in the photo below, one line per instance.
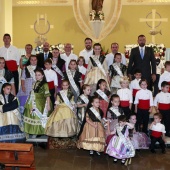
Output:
(10, 120)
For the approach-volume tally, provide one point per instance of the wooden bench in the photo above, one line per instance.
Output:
(17, 156)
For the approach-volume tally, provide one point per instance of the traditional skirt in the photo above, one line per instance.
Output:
(62, 122)
(92, 138)
(23, 96)
(10, 129)
(104, 107)
(94, 75)
(140, 140)
(32, 123)
(117, 149)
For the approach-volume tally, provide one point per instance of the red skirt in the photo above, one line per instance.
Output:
(103, 106)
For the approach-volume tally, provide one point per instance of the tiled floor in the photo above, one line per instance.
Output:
(75, 159)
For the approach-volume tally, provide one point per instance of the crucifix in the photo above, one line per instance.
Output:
(153, 21)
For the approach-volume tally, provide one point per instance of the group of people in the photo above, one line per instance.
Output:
(94, 97)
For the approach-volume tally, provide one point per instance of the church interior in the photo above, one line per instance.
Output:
(59, 22)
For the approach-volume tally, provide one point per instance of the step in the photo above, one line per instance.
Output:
(43, 138)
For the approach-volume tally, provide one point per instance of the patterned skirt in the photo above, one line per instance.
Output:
(104, 106)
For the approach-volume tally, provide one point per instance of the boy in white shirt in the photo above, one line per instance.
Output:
(52, 79)
(162, 105)
(157, 133)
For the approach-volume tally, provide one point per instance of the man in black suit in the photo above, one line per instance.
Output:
(45, 55)
(143, 58)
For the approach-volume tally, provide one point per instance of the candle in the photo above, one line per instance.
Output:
(38, 19)
(45, 19)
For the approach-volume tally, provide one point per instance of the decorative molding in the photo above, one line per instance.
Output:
(111, 9)
(42, 3)
(145, 2)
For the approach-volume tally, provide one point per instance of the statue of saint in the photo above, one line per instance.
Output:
(97, 5)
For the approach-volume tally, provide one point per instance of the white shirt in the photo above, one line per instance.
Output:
(159, 67)
(51, 76)
(134, 84)
(162, 98)
(164, 77)
(86, 54)
(125, 95)
(68, 58)
(159, 127)
(110, 58)
(82, 69)
(10, 53)
(144, 95)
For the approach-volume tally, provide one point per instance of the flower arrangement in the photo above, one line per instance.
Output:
(158, 48)
(96, 15)
(39, 49)
(104, 52)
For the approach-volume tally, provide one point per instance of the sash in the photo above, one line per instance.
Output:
(2, 80)
(115, 111)
(103, 95)
(96, 113)
(99, 65)
(126, 141)
(57, 70)
(118, 70)
(16, 112)
(66, 100)
(42, 116)
(72, 82)
(84, 98)
(31, 71)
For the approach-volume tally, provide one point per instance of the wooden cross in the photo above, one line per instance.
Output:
(153, 20)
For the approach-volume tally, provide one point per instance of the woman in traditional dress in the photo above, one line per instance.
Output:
(97, 69)
(6, 76)
(25, 58)
(63, 120)
(27, 81)
(58, 66)
(75, 78)
(104, 95)
(139, 139)
(38, 106)
(116, 71)
(10, 119)
(92, 137)
(120, 146)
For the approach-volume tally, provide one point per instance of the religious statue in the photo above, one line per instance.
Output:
(97, 13)
(97, 5)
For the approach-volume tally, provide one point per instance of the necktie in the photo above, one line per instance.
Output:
(141, 53)
(46, 56)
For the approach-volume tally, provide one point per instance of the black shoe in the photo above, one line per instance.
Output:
(43, 145)
(153, 151)
(91, 153)
(123, 161)
(163, 151)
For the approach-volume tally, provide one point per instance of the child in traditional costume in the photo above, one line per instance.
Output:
(10, 118)
(74, 78)
(81, 68)
(97, 69)
(134, 86)
(58, 65)
(139, 139)
(157, 133)
(143, 106)
(114, 111)
(162, 105)
(125, 95)
(52, 79)
(37, 107)
(63, 120)
(93, 137)
(82, 103)
(120, 146)
(103, 94)
(27, 81)
(116, 71)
